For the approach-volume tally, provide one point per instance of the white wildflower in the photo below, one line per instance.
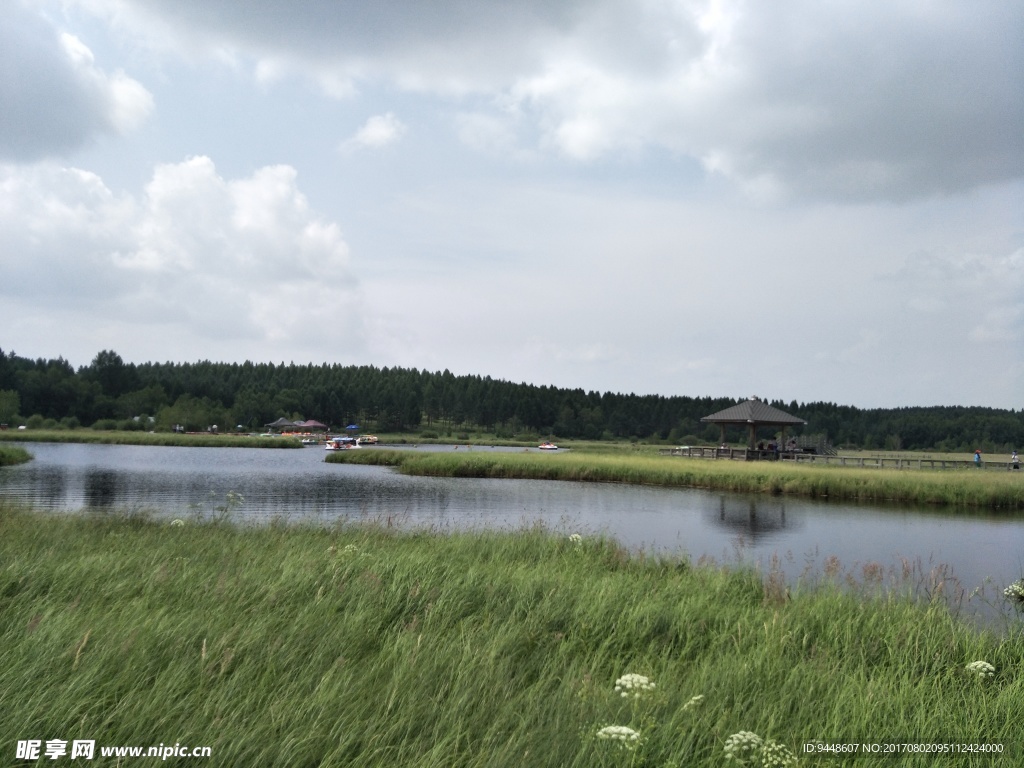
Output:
(622, 735)
(177, 522)
(576, 539)
(746, 748)
(1015, 591)
(743, 746)
(982, 669)
(693, 702)
(775, 755)
(633, 685)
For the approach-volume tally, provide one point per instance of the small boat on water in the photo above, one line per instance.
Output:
(548, 446)
(366, 440)
(340, 444)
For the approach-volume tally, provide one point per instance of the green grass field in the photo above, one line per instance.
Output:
(965, 489)
(363, 646)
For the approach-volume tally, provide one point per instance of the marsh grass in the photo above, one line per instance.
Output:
(11, 455)
(1002, 491)
(365, 646)
(148, 438)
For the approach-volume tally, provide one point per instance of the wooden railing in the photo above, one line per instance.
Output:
(875, 462)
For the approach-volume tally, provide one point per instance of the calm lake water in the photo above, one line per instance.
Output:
(800, 538)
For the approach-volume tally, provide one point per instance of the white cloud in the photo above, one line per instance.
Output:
(126, 102)
(377, 132)
(55, 97)
(230, 262)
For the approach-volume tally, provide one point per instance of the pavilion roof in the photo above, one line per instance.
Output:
(752, 411)
(282, 422)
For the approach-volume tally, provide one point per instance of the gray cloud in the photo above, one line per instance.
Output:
(857, 100)
(880, 99)
(428, 45)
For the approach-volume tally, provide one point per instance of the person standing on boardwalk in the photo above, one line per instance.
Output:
(977, 458)
(1014, 460)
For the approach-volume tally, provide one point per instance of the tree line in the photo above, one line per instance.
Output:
(112, 394)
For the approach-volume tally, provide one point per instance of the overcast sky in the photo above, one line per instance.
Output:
(799, 200)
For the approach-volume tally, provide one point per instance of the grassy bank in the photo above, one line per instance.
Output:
(146, 438)
(1002, 491)
(362, 646)
(10, 455)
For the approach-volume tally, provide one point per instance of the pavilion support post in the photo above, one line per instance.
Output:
(722, 441)
(753, 436)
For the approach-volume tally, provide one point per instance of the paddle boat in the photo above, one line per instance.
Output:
(340, 444)
(548, 446)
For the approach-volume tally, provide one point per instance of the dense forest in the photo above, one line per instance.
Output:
(112, 394)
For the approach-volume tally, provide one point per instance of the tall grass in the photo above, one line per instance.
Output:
(10, 455)
(1000, 491)
(363, 646)
(147, 438)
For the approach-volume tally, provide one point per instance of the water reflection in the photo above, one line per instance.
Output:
(51, 487)
(754, 519)
(102, 489)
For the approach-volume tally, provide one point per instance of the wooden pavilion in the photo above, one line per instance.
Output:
(753, 413)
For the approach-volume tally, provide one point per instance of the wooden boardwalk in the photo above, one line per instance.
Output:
(873, 462)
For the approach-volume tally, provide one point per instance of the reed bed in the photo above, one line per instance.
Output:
(967, 489)
(115, 437)
(367, 646)
(10, 455)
